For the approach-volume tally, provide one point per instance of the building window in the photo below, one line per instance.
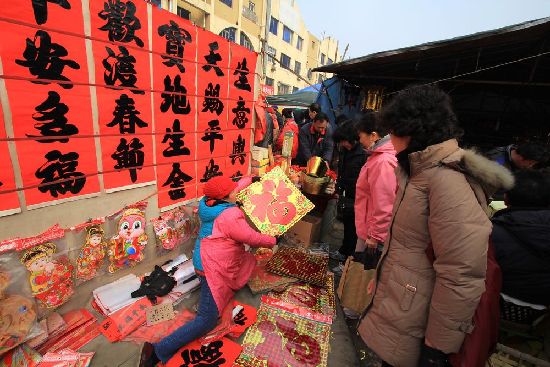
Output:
(228, 2)
(271, 54)
(309, 74)
(283, 89)
(297, 67)
(287, 34)
(323, 59)
(184, 13)
(229, 34)
(299, 43)
(246, 42)
(274, 26)
(329, 61)
(269, 81)
(285, 61)
(320, 79)
(294, 89)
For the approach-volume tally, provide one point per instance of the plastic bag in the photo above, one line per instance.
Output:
(126, 249)
(92, 254)
(17, 319)
(50, 275)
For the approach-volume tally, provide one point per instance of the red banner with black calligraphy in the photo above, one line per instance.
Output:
(175, 107)
(51, 111)
(9, 202)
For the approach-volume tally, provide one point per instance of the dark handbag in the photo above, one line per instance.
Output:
(369, 258)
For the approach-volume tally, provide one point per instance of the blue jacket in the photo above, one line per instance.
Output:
(207, 215)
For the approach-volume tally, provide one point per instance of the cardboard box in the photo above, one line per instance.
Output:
(306, 232)
(259, 153)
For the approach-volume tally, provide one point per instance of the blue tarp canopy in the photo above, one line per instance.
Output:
(301, 98)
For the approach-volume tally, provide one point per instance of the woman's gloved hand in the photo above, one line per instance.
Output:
(331, 188)
(431, 357)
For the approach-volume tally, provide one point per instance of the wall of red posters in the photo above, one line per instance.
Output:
(173, 102)
(9, 202)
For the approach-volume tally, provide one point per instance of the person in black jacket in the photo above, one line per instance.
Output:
(521, 238)
(352, 157)
(315, 139)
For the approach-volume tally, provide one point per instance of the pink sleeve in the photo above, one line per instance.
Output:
(361, 201)
(383, 186)
(237, 228)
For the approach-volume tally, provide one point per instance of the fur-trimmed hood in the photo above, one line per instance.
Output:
(490, 175)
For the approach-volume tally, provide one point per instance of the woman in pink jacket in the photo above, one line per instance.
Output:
(227, 268)
(376, 185)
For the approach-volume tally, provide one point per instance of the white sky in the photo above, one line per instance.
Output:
(371, 26)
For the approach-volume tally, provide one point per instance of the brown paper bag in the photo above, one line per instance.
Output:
(352, 289)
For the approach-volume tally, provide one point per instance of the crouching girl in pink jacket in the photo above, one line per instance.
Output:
(227, 268)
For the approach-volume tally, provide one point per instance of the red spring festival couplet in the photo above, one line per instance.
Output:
(8, 198)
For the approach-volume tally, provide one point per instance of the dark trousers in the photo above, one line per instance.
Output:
(350, 236)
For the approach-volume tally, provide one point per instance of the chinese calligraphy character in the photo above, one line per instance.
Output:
(238, 150)
(177, 145)
(178, 102)
(212, 134)
(120, 68)
(40, 8)
(60, 167)
(237, 176)
(242, 82)
(240, 112)
(176, 180)
(208, 356)
(211, 170)
(212, 100)
(175, 44)
(126, 116)
(212, 59)
(240, 317)
(122, 23)
(52, 122)
(129, 156)
(44, 59)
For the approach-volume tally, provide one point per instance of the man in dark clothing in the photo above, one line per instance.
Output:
(352, 158)
(517, 157)
(315, 139)
(521, 238)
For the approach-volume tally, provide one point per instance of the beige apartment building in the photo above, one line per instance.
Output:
(291, 51)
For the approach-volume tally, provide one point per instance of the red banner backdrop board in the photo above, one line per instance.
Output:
(237, 155)
(122, 68)
(176, 182)
(126, 137)
(46, 55)
(9, 202)
(212, 84)
(55, 146)
(120, 21)
(174, 52)
(241, 83)
(174, 82)
(46, 13)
